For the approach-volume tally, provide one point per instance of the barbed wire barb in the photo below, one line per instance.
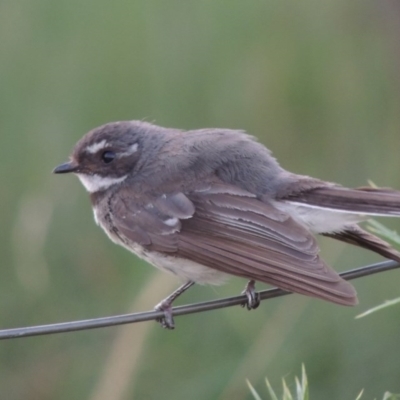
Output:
(72, 326)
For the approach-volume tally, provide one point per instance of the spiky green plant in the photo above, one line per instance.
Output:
(302, 392)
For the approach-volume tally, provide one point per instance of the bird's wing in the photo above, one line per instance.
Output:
(230, 230)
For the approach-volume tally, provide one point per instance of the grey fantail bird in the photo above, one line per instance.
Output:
(206, 204)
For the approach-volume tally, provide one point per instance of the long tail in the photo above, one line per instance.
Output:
(363, 200)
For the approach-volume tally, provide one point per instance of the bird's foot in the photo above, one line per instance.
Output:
(167, 321)
(253, 297)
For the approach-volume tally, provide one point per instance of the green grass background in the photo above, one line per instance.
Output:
(317, 81)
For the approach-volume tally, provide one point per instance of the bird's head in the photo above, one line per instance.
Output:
(106, 155)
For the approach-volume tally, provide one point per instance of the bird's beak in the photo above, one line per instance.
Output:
(65, 168)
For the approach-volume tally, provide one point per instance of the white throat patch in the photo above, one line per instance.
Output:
(95, 183)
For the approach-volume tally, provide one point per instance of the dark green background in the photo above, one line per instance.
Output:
(317, 81)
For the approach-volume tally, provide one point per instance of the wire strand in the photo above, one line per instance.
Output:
(177, 311)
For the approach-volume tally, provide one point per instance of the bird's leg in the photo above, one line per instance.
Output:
(166, 306)
(253, 297)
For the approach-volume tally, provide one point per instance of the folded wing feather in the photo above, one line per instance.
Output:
(230, 230)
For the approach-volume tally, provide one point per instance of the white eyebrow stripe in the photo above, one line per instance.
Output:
(131, 149)
(95, 147)
(95, 183)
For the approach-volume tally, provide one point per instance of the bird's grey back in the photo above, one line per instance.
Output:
(177, 159)
(231, 155)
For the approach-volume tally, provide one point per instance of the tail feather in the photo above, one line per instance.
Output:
(359, 237)
(363, 200)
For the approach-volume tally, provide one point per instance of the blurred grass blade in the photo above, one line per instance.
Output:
(299, 389)
(389, 234)
(386, 304)
(271, 391)
(391, 396)
(302, 388)
(286, 392)
(253, 391)
(383, 231)
(360, 394)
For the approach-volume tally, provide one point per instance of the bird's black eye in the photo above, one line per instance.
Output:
(108, 156)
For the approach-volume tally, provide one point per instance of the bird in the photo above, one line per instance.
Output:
(207, 204)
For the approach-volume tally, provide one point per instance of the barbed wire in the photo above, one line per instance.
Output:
(72, 326)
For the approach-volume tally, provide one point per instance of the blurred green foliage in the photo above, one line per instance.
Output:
(301, 390)
(316, 81)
